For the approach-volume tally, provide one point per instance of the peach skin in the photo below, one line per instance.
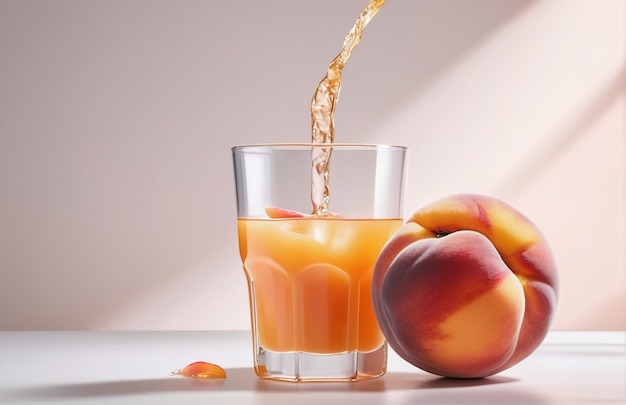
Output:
(466, 288)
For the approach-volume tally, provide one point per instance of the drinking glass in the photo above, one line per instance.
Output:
(309, 275)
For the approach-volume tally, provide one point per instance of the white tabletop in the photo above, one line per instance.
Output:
(134, 367)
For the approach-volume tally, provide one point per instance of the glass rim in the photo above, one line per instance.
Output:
(308, 145)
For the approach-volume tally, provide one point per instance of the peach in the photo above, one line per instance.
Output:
(466, 288)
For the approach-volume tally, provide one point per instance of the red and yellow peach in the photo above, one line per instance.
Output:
(466, 288)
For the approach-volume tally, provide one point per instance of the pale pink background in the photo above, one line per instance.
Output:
(116, 118)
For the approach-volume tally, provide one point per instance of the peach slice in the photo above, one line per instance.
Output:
(278, 212)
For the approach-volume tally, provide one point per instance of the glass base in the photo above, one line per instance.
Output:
(302, 366)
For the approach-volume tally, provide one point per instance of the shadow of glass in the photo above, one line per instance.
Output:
(113, 388)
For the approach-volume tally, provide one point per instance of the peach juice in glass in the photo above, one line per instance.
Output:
(309, 270)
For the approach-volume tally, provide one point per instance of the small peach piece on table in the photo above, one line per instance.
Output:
(201, 369)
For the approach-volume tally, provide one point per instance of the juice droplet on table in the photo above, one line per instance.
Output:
(323, 109)
(201, 369)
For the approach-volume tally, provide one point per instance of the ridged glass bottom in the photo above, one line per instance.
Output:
(300, 366)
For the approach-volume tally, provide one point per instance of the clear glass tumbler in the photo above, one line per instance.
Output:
(309, 275)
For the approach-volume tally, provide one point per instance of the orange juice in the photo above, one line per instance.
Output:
(310, 280)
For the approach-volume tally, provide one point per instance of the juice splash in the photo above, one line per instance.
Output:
(323, 110)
